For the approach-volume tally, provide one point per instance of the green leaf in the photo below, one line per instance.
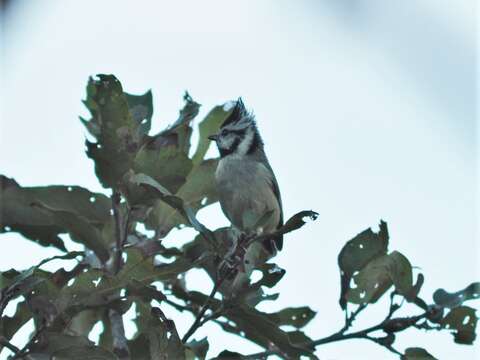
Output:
(229, 355)
(294, 316)
(377, 277)
(175, 202)
(165, 164)
(83, 353)
(141, 110)
(462, 321)
(10, 325)
(271, 275)
(117, 133)
(207, 127)
(80, 230)
(199, 348)
(357, 253)
(452, 300)
(19, 215)
(197, 192)
(415, 353)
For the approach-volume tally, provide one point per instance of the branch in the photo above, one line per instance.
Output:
(120, 343)
(389, 326)
(120, 346)
(120, 231)
(198, 320)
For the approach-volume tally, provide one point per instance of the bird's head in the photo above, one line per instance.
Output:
(238, 135)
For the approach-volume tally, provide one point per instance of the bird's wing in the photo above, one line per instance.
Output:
(276, 192)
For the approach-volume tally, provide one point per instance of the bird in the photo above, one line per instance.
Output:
(247, 188)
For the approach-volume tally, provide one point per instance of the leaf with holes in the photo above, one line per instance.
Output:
(118, 135)
(297, 317)
(377, 277)
(462, 321)
(141, 110)
(19, 215)
(357, 253)
(80, 230)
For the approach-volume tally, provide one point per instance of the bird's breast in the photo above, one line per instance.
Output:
(246, 195)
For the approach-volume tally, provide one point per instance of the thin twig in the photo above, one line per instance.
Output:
(198, 320)
(340, 336)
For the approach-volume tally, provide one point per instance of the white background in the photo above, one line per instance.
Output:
(367, 109)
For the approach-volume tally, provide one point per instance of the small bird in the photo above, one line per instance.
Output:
(246, 185)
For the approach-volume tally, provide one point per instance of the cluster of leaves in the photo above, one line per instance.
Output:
(158, 182)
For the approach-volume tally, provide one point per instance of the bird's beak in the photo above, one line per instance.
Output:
(213, 137)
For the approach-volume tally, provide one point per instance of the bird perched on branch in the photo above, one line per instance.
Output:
(246, 185)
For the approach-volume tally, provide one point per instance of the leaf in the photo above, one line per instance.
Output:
(80, 230)
(297, 221)
(452, 300)
(165, 164)
(174, 201)
(229, 355)
(199, 348)
(294, 316)
(415, 353)
(163, 339)
(18, 214)
(207, 127)
(271, 275)
(198, 191)
(377, 277)
(462, 321)
(141, 110)
(10, 325)
(83, 353)
(357, 253)
(117, 133)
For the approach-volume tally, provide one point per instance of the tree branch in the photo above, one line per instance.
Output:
(120, 343)
(389, 326)
(198, 320)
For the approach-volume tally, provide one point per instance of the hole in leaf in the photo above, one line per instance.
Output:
(144, 121)
(69, 189)
(362, 294)
(360, 246)
(294, 317)
(94, 334)
(466, 320)
(95, 282)
(256, 275)
(376, 286)
(304, 315)
(71, 281)
(204, 201)
(7, 228)
(92, 199)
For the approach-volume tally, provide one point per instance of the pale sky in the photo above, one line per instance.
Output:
(367, 109)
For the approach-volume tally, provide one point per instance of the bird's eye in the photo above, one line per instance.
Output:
(223, 132)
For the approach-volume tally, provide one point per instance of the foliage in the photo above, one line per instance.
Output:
(157, 181)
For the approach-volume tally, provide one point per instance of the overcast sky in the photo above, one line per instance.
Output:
(367, 109)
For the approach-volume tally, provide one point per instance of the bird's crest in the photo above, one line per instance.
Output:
(239, 117)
